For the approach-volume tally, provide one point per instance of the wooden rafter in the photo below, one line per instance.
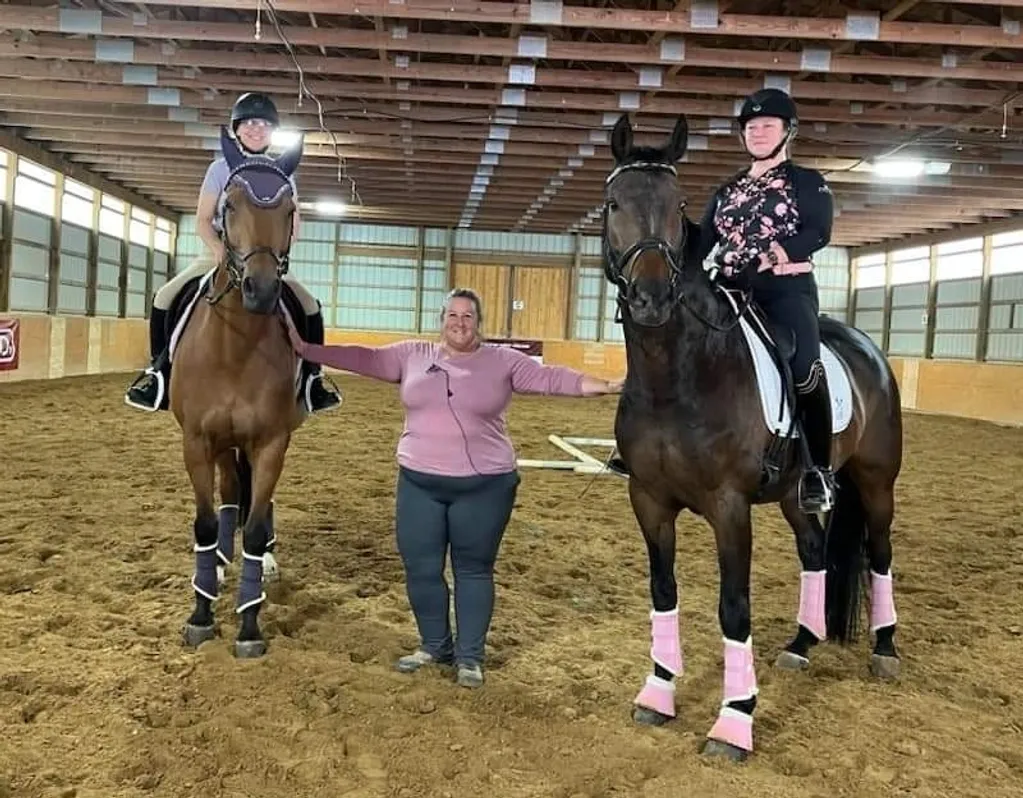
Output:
(496, 115)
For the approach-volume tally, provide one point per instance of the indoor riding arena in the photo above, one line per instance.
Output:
(466, 145)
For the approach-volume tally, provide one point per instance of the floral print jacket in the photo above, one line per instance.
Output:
(789, 204)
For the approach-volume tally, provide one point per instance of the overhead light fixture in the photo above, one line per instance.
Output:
(900, 168)
(330, 208)
(285, 138)
(909, 168)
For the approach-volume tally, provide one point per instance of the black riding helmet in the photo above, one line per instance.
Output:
(770, 102)
(253, 105)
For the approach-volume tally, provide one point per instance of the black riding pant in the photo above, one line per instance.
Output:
(468, 516)
(796, 305)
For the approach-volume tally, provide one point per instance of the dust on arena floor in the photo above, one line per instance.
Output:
(98, 698)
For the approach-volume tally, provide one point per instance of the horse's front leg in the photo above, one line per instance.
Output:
(200, 465)
(811, 627)
(655, 703)
(732, 733)
(267, 463)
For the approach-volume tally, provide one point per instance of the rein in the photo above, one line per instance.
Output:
(616, 264)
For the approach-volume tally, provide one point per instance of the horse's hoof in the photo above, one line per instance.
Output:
(788, 661)
(249, 649)
(884, 667)
(649, 717)
(271, 570)
(194, 635)
(722, 750)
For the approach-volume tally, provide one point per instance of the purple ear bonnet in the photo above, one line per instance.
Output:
(264, 182)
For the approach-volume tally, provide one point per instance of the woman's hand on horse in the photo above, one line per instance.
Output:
(296, 340)
(615, 386)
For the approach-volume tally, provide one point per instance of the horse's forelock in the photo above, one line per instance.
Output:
(645, 154)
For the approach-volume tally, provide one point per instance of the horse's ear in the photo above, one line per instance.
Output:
(621, 138)
(288, 160)
(229, 147)
(679, 139)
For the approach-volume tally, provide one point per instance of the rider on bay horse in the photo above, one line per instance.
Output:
(768, 221)
(253, 119)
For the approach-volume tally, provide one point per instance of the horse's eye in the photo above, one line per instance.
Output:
(612, 205)
(682, 206)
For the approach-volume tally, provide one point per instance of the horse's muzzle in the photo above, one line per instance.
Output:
(260, 294)
(649, 302)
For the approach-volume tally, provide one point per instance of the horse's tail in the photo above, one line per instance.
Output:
(845, 555)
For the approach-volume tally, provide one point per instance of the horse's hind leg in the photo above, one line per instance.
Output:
(230, 498)
(200, 466)
(810, 618)
(243, 470)
(878, 498)
(270, 568)
(655, 703)
(267, 464)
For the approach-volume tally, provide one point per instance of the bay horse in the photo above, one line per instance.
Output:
(705, 375)
(234, 386)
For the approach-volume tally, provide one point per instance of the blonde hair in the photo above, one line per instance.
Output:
(464, 293)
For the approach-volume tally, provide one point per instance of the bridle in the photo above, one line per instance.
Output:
(235, 261)
(617, 263)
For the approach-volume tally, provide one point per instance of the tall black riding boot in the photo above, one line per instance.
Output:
(317, 396)
(149, 391)
(817, 486)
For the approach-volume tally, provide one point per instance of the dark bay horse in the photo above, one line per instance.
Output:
(691, 429)
(233, 388)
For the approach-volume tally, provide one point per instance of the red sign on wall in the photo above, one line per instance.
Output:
(10, 344)
(533, 349)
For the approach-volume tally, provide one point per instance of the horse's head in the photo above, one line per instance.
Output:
(257, 212)
(645, 227)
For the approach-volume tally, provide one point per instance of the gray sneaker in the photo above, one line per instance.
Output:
(469, 676)
(413, 662)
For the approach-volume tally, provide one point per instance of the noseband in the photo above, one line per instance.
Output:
(266, 186)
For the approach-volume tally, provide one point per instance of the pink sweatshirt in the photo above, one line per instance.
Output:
(481, 385)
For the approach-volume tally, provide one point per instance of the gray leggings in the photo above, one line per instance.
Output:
(469, 515)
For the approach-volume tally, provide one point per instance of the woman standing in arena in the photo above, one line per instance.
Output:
(457, 477)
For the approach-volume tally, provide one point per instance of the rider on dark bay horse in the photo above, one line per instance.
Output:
(768, 221)
(253, 120)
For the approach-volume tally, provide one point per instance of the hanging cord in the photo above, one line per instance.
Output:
(1004, 103)
(303, 90)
